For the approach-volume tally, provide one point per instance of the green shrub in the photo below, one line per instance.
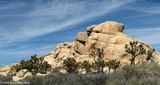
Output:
(70, 65)
(35, 64)
(113, 64)
(87, 66)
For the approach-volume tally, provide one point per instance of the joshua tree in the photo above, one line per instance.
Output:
(99, 63)
(98, 53)
(113, 64)
(134, 49)
(70, 65)
(87, 66)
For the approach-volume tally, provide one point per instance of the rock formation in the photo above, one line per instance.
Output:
(108, 36)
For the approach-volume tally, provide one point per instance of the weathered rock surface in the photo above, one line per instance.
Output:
(22, 76)
(109, 36)
(21, 73)
(82, 36)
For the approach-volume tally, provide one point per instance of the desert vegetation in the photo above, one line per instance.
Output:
(70, 65)
(139, 74)
(134, 74)
(135, 49)
(113, 64)
(98, 63)
(142, 74)
(35, 64)
(87, 66)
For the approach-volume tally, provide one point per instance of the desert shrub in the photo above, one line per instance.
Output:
(22, 65)
(87, 66)
(4, 80)
(113, 64)
(35, 64)
(70, 65)
(57, 78)
(143, 74)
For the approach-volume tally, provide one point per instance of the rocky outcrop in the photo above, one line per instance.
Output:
(108, 36)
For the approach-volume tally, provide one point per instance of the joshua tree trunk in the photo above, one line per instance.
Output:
(115, 69)
(109, 69)
(98, 70)
(102, 70)
(133, 60)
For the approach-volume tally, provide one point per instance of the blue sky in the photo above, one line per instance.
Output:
(30, 27)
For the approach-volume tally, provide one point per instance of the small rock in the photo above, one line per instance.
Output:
(90, 28)
(82, 36)
(21, 73)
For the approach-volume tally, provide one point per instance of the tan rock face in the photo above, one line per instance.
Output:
(108, 36)
(80, 48)
(109, 27)
(82, 36)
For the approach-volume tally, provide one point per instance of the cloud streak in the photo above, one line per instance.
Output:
(53, 16)
(149, 6)
(149, 35)
(23, 21)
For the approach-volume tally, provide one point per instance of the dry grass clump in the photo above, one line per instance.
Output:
(144, 74)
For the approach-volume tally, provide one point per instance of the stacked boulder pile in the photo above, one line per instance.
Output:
(108, 36)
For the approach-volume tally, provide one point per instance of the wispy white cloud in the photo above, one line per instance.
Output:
(53, 16)
(11, 6)
(143, 30)
(26, 50)
(22, 21)
(149, 6)
(149, 35)
(26, 21)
